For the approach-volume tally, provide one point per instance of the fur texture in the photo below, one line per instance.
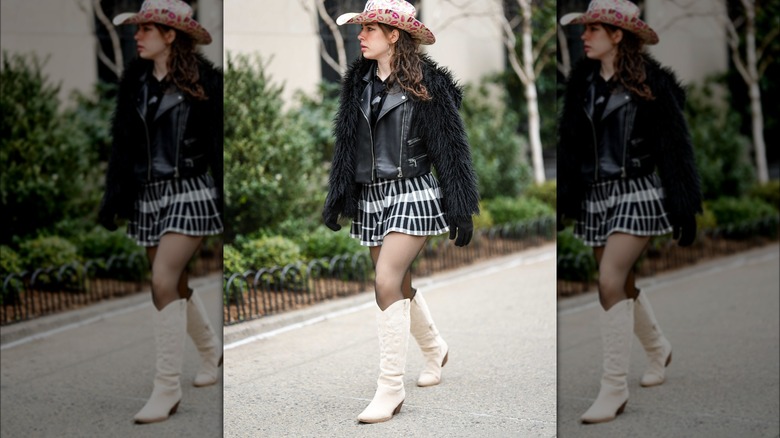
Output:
(440, 126)
(661, 119)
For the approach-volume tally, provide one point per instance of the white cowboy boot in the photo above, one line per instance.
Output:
(169, 329)
(433, 347)
(206, 341)
(657, 347)
(393, 328)
(616, 336)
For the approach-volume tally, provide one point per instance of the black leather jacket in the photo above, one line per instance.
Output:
(393, 149)
(173, 148)
(619, 150)
(412, 137)
(637, 137)
(184, 140)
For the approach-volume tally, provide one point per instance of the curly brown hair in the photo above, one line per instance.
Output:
(406, 63)
(630, 64)
(183, 64)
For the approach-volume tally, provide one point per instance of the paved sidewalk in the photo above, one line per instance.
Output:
(85, 373)
(313, 379)
(722, 318)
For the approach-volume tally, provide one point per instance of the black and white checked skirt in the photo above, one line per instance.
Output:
(185, 206)
(409, 206)
(632, 206)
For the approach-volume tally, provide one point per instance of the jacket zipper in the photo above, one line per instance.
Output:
(625, 143)
(413, 161)
(595, 144)
(148, 147)
(178, 142)
(401, 146)
(371, 135)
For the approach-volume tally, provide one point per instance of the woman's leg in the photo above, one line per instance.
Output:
(392, 263)
(616, 260)
(617, 322)
(170, 261)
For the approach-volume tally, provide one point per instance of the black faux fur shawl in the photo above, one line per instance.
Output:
(672, 148)
(441, 129)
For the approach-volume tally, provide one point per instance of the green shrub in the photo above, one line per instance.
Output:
(233, 260)
(484, 220)
(44, 252)
(769, 193)
(575, 259)
(323, 242)
(101, 243)
(506, 210)
(721, 151)
(706, 220)
(498, 151)
(272, 167)
(49, 166)
(10, 263)
(545, 192)
(267, 252)
(743, 217)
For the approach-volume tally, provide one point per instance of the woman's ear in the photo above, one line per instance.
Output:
(169, 36)
(394, 35)
(617, 36)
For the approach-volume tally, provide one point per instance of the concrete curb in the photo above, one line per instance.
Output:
(37, 326)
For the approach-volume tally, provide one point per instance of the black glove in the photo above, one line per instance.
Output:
(464, 228)
(107, 220)
(331, 220)
(684, 229)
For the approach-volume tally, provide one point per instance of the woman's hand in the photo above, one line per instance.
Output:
(463, 227)
(684, 229)
(331, 220)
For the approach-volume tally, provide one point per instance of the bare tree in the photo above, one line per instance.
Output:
(116, 64)
(750, 65)
(339, 64)
(527, 65)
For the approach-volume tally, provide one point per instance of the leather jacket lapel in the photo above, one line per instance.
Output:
(616, 100)
(395, 97)
(168, 101)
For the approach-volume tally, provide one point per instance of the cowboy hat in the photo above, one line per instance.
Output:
(396, 13)
(171, 13)
(620, 13)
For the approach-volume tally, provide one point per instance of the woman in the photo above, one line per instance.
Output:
(167, 132)
(398, 115)
(622, 119)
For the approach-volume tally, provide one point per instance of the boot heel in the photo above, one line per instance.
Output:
(668, 359)
(621, 408)
(174, 408)
(398, 408)
(444, 361)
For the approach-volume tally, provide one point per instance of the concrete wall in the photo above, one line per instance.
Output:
(693, 40)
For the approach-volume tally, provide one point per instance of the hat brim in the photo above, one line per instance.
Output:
(631, 24)
(187, 25)
(413, 26)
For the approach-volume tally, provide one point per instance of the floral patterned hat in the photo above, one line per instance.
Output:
(396, 13)
(620, 13)
(173, 13)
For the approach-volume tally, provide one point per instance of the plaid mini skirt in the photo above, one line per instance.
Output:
(185, 206)
(632, 206)
(409, 206)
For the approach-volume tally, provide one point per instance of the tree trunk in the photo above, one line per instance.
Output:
(534, 125)
(755, 92)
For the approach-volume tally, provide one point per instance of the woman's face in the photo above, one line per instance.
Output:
(374, 44)
(152, 43)
(600, 44)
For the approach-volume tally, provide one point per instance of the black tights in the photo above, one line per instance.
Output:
(392, 261)
(616, 260)
(169, 262)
